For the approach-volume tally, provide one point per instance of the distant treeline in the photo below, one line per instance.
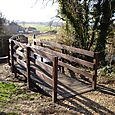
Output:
(42, 23)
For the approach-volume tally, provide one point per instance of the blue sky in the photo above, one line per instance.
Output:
(28, 10)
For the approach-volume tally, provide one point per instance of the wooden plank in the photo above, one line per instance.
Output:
(77, 60)
(69, 48)
(19, 61)
(41, 83)
(41, 44)
(21, 54)
(20, 69)
(22, 45)
(15, 47)
(73, 59)
(62, 61)
(52, 45)
(94, 82)
(76, 70)
(9, 52)
(41, 75)
(12, 58)
(78, 50)
(28, 67)
(55, 79)
(42, 65)
(42, 53)
(69, 87)
(70, 58)
(49, 43)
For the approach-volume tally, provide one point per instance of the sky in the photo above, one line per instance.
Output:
(28, 10)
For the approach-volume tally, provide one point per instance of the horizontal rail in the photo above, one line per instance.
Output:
(21, 54)
(22, 45)
(19, 61)
(5, 57)
(68, 48)
(42, 65)
(42, 53)
(69, 58)
(41, 75)
(76, 70)
(20, 69)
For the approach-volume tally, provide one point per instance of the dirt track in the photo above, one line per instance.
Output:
(25, 102)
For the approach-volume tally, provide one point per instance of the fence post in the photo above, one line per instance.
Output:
(35, 43)
(12, 58)
(55, 79)
(34, 36)
(9, 52)
(34, 40)
(62, 68)
(28, 66)
(41, 46)
(95, 61)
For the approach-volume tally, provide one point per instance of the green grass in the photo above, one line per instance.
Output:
(41, 28)
(47, 37)
(11, 95)
(6, 91)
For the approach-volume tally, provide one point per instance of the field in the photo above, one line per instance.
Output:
(42, 37)
(41, 28)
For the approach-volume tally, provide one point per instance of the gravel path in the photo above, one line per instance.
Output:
(25, 102)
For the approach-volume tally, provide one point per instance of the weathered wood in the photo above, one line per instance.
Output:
(19, 69)
(9, 52)
(55, 79)
(69, 87)
(49, 74)
(95, 71)
(28, 67)
(41, 57)
(37, 42)
(19, 61)
(73, 59)
(12, 53)
(42, 65)
(22, 45)
(76, 70)
(41, 75)
(69, 58)
(52, 44)
(62, 67)
(42, 53)
(20, 54)
(15, 47)
(68, 48)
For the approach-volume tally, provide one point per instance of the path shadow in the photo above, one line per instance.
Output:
(106, 90)
(80, 103)
(86, 106)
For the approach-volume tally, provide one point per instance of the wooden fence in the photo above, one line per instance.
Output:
(29, 61)
(89, 59)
